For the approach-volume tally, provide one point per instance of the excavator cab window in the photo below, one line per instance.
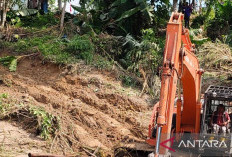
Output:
(214, 96)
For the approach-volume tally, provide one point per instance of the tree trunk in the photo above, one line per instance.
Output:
(4, 8)
(60, 5)
(200, 6)
(62, 16)
(193, 4)
(3, 18)
(174, 8)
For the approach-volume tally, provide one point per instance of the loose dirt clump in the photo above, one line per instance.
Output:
(95, 112)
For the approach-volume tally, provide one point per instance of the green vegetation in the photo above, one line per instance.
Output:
(81, 47)
(215, 20)
(37, 20)
(128, 81)
(10, 61)
(102, 62)
(35, 118)
(49, 46)
(47, 123)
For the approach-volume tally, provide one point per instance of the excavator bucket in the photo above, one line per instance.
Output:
(140, 148)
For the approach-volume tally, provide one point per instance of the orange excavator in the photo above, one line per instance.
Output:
(185, 112)
(180, 69)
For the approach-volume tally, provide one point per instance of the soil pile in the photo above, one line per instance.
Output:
(95, 112)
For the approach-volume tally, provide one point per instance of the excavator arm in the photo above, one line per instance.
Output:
(180, 67)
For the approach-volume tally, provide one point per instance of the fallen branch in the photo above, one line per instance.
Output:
(122, 69)
(43, 155)
(89, 152)
(96, 151)
(29, 55)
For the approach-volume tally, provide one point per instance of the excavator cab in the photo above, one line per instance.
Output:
(214, 96)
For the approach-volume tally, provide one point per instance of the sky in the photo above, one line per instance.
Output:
(72, 2)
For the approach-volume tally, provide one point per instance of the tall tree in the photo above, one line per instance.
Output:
(60, 5)
(174, 8)
(194, 4)
(200, 6)
(62, 16)
(4, 6)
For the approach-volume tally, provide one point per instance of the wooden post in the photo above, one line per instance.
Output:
(62, 16)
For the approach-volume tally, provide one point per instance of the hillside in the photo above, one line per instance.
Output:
(93, 108)
(85, 84)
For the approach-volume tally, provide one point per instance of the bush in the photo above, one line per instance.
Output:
(33, 21)
(227, 39)
(128, 81)
(216, 28)
(82, 48)
(147, 53)
(10, 61)
(198, 21)
(223, 10)
(38, 21)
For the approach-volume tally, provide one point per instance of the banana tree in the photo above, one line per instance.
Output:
(118, 16)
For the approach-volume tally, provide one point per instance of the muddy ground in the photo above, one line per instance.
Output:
(95, 110)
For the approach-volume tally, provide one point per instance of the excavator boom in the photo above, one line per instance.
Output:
(180, 67)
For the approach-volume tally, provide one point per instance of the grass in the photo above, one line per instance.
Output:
(36, 21)
(5, 152)
(50, 47)
(82, 48)
(55, 49)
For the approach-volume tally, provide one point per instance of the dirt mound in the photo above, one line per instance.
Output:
(95, 111)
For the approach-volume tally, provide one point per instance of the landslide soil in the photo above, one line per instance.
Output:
(95, 110)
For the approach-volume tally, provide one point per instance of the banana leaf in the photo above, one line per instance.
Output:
(128, 13)
(10, 61)
(118, 2)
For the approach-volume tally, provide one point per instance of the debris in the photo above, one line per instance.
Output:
(40, 155)
(215, 56)
(85, 117)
